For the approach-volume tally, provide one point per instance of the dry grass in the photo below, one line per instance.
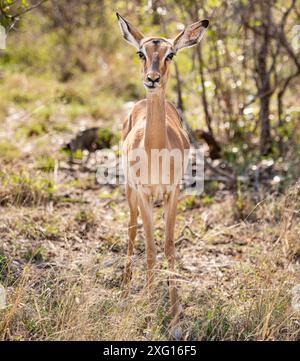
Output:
(63, 246)
(61, 266)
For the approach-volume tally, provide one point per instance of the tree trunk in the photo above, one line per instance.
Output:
(264, 80)
(155, 15)
(203, 93)
(265, 134)
(213, 145)
(280, 121)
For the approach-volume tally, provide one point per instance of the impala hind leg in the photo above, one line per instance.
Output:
(170, 215)
(146, 208)
(132, 229)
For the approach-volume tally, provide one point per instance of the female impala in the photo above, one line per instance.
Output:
(154, 125)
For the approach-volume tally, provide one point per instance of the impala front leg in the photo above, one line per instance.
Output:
(146, 208)
(170, 216)
(132, 228)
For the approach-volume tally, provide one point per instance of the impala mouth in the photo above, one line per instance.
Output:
(150, 85)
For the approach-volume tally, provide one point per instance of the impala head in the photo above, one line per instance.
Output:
(156, 53)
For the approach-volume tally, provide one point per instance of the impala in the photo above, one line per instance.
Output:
(154, 126)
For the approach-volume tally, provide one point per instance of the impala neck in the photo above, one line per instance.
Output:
(155, 132)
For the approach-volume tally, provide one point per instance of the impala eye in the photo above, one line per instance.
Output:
(170, 56)
(141, 55)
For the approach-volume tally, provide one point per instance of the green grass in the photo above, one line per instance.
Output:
(8, 151)
(25, 189)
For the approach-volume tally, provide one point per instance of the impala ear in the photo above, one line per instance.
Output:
(191, 35)
(130, 34)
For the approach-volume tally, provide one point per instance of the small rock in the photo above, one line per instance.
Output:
(176, 333)
(108, 263)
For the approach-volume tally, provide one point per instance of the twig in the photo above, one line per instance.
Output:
(253, 210)
(15, 17)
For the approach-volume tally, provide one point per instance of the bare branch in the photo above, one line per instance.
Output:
(26, 10)
(14, 18)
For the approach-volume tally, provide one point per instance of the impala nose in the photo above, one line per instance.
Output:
(153, 77)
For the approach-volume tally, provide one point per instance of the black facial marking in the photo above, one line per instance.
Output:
(156, 42)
